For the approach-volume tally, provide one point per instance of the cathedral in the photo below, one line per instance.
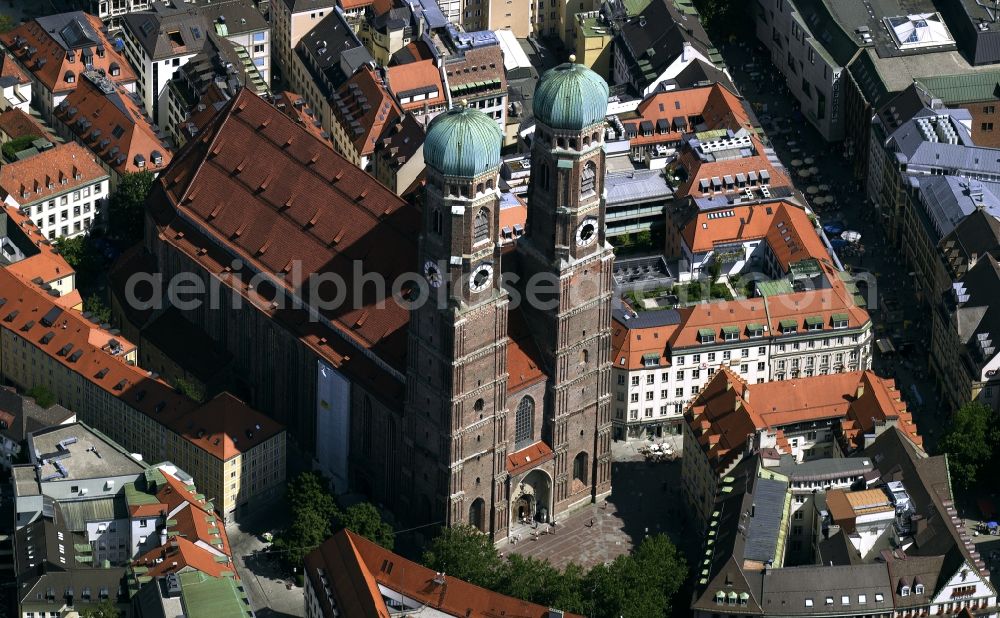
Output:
(513, 379)
(485, 402)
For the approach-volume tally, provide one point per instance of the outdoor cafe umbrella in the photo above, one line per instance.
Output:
(819, 200)
(804, 173)
(824, 188)
(814, 170)
(796, 162)
(812, 189)
(809, 160)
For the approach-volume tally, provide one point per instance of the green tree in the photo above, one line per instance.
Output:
(535, 580)
(639, 586)
(715, 270)
(16, 145)
(96, 306)
(190, 388)
(105, 609)
(312, 508)
(364, 519)
(970, 443)
(644, 239)
(73, 250)
(466, 553)
(126, 210)
(42, 396)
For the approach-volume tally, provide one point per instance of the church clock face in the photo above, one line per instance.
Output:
(586, 233)
(432, 273)
(481, 277)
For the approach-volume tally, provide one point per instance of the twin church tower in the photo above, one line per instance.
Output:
(508, 407)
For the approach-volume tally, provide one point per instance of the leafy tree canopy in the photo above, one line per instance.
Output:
(126, 210)
(42, 396)
(364, 519)
(971, 443)
(104, 609)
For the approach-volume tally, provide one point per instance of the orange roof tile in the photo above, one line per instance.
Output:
(349, 5)
(786, 227)
(698, 170)
(368, 103)
(631, 346)
(296, 108)
(421, 77)
(42, 54)
(728, 409)
(47, 265)
(455, 597)
(50, 172)
(716, 316)
(9, 69)
(523, 365)
(87, 354)
(14, 123)
(711, 107)
(113, 126)
(529, 457)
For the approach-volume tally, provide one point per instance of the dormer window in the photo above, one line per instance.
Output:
(814, 323)
(904, 591)
(706, 335)
(918, 589)
(839, 320)
(730, 333)
(755, 330)
(651, 360)
(788, 326)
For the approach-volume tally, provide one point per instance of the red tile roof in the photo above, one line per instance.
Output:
(786, 227)
(196, 537)
(225, 417)
(217, 203)
(296, 108)
(529, 457)
(113, 125)
(14, 124)
(630, 345)
(704, 108)
(523, 364)
(358, 588)
(697, 170)
(50, 64)
(367, 103)
(9, 68)
(420, 76)
(728, 409)
(50, 172)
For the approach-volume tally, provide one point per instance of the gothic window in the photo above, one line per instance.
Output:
(524, 422)
(436, 221)
(580, 468)
(584, 356)
(477, 514)
(588, 178)
(366, 426)
(543, 176)
(481, 226)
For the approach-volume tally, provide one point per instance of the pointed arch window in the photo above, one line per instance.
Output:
(524, 423)
(481, 226)
(588, 178)
(436, 221)
(543, 176)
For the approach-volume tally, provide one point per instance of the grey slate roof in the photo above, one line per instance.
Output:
(647, 319)
(974, 237)
(827, 468)
(164, 31)
(70, 30)
(786, 590)
(333, 48)
(240, 16)
(948, 200)
(636, 186)
(656, 37)
(298, 6)
(765, 520)
(29, 416)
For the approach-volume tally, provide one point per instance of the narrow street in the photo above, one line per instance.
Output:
(794, 139)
